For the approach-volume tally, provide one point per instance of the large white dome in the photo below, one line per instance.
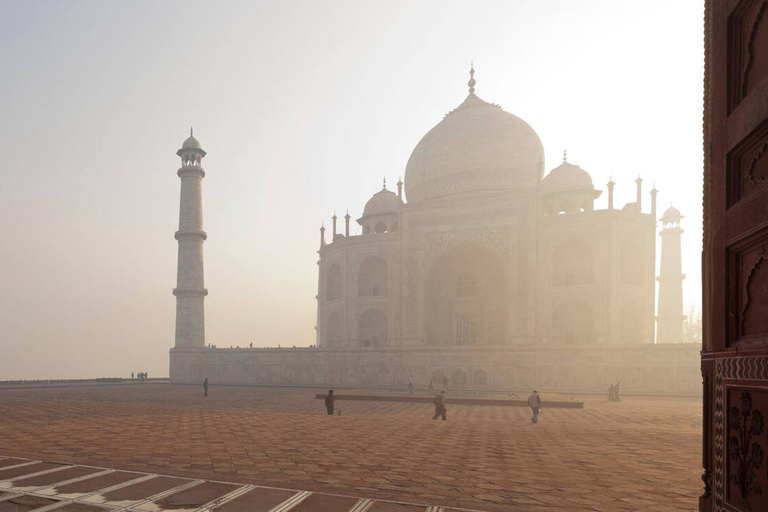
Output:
(477, 146)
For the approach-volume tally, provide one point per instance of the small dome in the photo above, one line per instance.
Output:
(383, 201)
(566, 177)
(671, 215)
(191, 143)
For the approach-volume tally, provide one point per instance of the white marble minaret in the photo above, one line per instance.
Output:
(670, 318)
(190, 291)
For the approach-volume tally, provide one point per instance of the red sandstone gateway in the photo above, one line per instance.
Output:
(734, 359)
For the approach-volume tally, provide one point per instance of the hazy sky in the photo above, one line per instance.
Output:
(303, 108)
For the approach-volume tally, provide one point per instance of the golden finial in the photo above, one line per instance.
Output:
(565, 156)
(471, 82)
(190, 131)
(385, 182)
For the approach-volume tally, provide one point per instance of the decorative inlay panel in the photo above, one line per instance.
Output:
(747, 165)
(748, 289)
(497, 238)
(747, 49)
(740, 440)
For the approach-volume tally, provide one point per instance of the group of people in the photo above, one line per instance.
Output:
(139, 376)
(613, 392)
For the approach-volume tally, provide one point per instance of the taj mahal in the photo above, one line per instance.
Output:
(480, 268)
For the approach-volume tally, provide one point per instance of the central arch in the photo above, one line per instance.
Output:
(466, 299)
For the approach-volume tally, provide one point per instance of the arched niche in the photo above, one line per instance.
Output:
(480, 378)
(631, 269)
(372, 329)
(333, 330)
(333, 283)
(466, 288)
(380, 227)
(459, 377)
(572, 323)
(572, 264)
(372, 277)
(631, 322)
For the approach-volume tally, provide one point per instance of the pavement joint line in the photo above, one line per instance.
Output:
(226, 498)
(362, 505)
(39, 491)
(34, 490)
(5, 484)
(291, 502)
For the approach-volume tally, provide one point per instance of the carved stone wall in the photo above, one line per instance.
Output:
(654, 369)
(740, 435)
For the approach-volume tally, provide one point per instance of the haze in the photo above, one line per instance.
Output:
(303, 108)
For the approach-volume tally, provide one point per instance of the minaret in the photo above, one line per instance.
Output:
(610, 194)
(670, 315)
(190, 291)
(346, 229)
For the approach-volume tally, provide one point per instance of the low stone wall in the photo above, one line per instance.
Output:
(651, 369)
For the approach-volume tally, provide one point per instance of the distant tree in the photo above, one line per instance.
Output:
(692, 324)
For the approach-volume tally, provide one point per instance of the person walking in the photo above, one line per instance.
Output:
(431, 389)
(616, 397)
(440, 406)
(330, 401)
(205, 386)
(410, 384)
(534, 402)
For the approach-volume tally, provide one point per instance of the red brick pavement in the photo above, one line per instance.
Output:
(639, 454)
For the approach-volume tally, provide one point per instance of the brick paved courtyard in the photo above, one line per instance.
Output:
(639, 454)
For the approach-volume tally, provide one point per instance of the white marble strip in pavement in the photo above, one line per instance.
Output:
(144, 504)
(47, 491)
(18, 466)
(6, 484)
(33, 490)
(291, 502)
(227, 498)
(362, 505)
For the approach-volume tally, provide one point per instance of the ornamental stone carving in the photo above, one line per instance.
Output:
(497, 238)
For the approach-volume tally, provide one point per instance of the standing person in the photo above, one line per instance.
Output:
(131, 375)
(440, 406)
(616, 392)
(330, 400)
(445, 381)
(534, 402)
(205, 386)
(431, 389)
(410, 384)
